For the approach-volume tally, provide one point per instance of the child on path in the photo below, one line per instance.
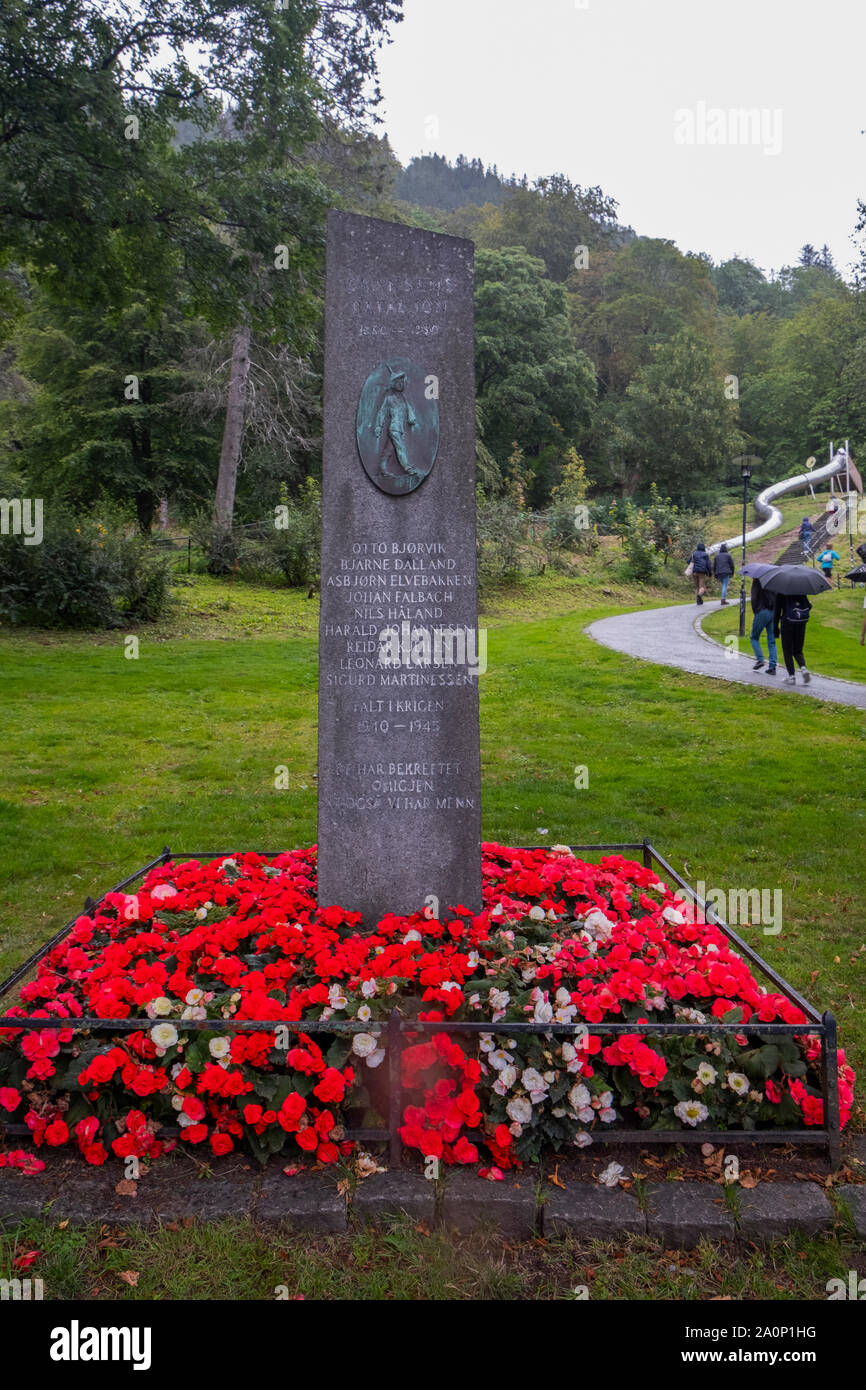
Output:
(825, 560)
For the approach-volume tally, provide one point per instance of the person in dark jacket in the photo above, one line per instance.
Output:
(702, 569)
(790, 617)
(805, 534)
(763, 608)
(723, 568)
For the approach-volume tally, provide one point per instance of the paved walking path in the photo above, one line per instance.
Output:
(673, 637)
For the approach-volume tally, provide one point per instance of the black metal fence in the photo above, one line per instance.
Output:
(823, 1025)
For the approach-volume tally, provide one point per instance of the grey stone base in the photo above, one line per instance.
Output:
(678, 1213)
(681, 1213)
(307, 1202)
(854, 1198)
(776, 1208)
(388, 1194)
(593, 1212)
(470, 1202)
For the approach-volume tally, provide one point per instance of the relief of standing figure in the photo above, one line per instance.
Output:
(394, 417)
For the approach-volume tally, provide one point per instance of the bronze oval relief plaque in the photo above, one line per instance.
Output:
(398, 425)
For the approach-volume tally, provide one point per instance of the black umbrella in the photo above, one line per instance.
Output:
(857, 576)
(795, 579)
(756, 570)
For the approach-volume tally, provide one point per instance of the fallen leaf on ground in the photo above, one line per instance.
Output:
(129, 1276)
(126, 1188)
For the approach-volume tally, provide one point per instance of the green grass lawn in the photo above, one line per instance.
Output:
(231, 1260)
(832, 646)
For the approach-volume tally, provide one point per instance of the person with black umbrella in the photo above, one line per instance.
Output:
(790, 617)
(763, 608)
(789, 584)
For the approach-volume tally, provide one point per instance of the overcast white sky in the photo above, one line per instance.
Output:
(592, 88)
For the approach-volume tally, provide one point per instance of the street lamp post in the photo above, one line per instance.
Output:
(746, 473)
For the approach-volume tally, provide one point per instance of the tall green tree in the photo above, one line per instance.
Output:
(674, 426)
(534, 388)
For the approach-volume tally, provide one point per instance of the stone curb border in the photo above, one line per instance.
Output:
(678, 1213)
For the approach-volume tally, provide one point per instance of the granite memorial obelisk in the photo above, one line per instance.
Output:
(399, 650)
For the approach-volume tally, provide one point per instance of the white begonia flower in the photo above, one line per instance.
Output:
(568, 1052)
(327, 1012)
(195, 996)
(691, 1112)
(448, 985)
(499, 1088)
(605, 1099)
(161, 1007)
(219, 1047)
(185, 1120)
(706, 1074)
(499, 999)
(497, 911)
(163, 1035)
(162, 892)
(673, 915)
(579, 1096)
(200, 914)
(197, 1012)
(738, 1083)
(528, 975)
(559, 1112)
(376, 1058)
(565, 1015)
(176, 1070)
(563, 996)
(551, 915)
(336, 997)
(611, 1175)
(533, 1080)
(177, 1102)
(607, 1115)
(561, 849)
(596, 921)
(368, 989)
(549, 1078)
(411, 936)
(508, 1076)
(498, 1058)
(364, 1013)
(519, 1109)
(582, 1140)
(474, 1000)
(536, 914)
(486, 1044)
(543, 1012)
(364, 1044)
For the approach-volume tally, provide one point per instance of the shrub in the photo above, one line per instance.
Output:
(81, 576)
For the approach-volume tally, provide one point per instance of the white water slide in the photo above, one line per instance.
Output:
(764, 500)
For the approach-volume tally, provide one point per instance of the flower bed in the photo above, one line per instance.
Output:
(559, 941)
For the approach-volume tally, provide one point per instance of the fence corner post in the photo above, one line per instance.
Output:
(647, 854)
(395, 1036)
(830, 1088)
